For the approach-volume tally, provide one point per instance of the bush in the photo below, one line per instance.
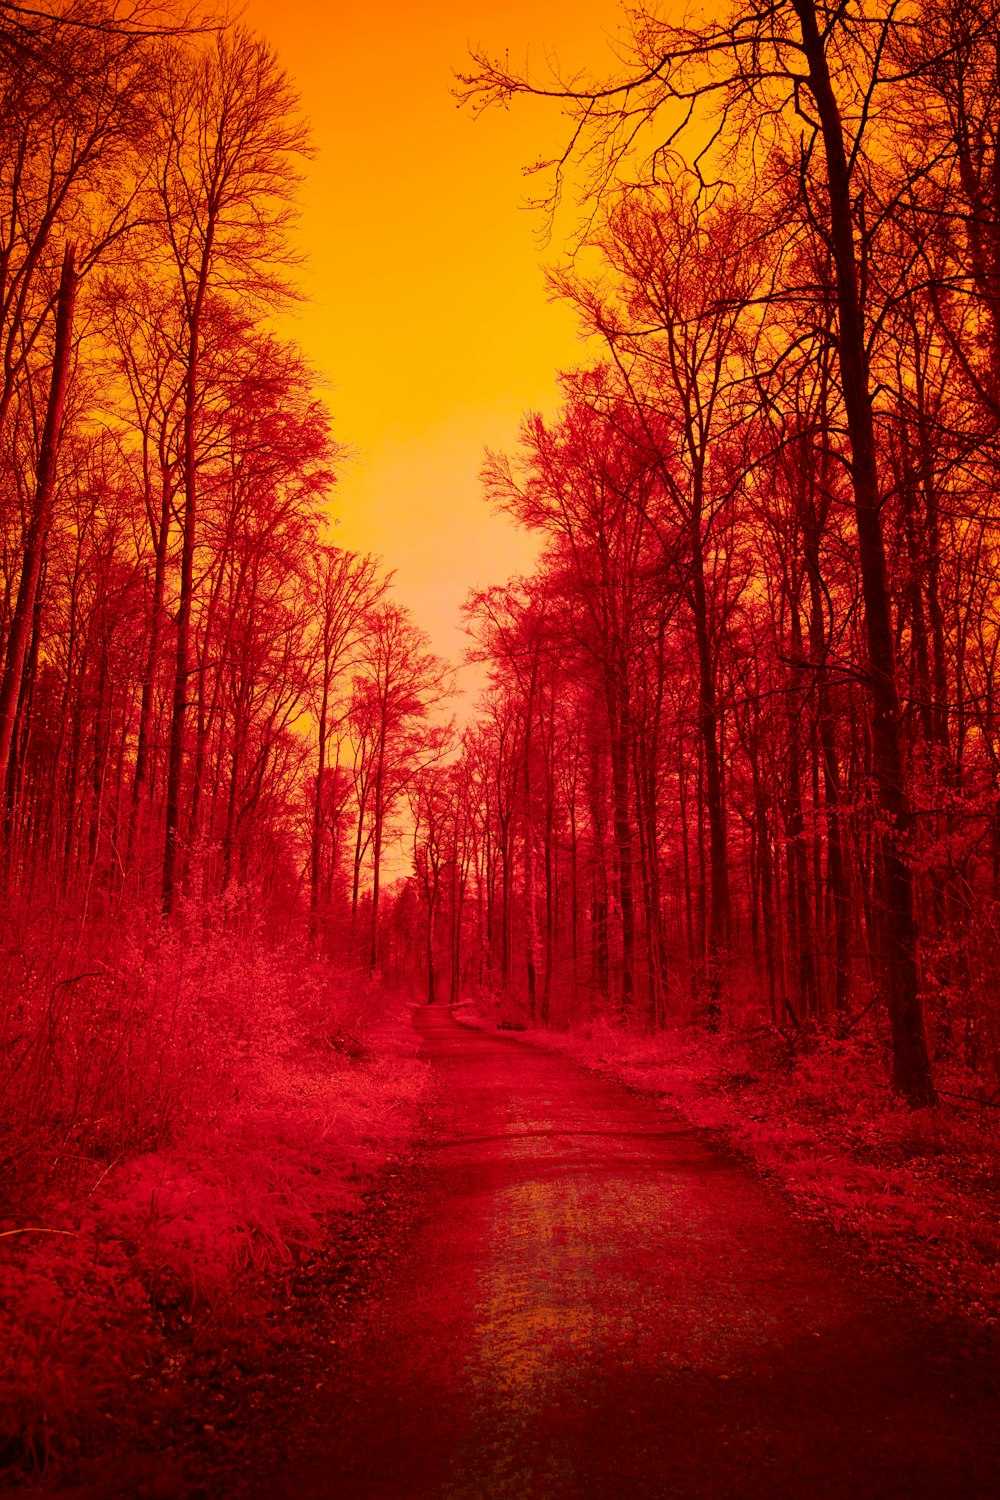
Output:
(180, 1111)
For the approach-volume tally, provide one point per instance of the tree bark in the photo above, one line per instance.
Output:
(41, 510)
(142, 756)
(911, 1063)
(622, 825)
(178, 712)
(708, 717)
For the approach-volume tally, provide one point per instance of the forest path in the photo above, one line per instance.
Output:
(592, 1302)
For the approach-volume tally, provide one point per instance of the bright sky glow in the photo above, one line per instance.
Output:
(428, 313)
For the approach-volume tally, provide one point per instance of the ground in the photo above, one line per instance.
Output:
(568, 1291)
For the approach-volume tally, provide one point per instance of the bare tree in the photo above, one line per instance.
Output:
(763, 73)
(345, 587)
(225, 177)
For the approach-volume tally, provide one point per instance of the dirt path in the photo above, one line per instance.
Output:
(594, 1303)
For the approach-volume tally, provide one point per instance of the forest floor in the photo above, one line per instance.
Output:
(141, 1297)
(553, 1286)
(587, 1296)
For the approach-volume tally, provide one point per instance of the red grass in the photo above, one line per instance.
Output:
(175, 1125)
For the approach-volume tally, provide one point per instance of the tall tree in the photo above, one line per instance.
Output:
(769, 72)
(225, 176)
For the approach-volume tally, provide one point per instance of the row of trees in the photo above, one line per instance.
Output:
(198, 690)
(740, 749)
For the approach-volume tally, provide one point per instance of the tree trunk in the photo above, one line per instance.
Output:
(622, 823)
(41, 510)
(530, 885)
(378, 816)
(178, 712)
(708, 716)
(316, 841)
(911, 1063)
(142, 756)
(835, 867)
(801, 920)
(431, 972)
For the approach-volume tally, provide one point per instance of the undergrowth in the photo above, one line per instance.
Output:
(182, 1112)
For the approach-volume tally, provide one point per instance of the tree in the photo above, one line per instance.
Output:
(41, 510)
(397, 685)
(345, 587)
(769, 72)
(225, 175)
(431, 794)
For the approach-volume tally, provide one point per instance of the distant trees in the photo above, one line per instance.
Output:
(738, 753)
(397, 684)
(345, 590)
(193, 679)
(435, 808)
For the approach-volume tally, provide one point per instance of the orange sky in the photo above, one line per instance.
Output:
(428, 314)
